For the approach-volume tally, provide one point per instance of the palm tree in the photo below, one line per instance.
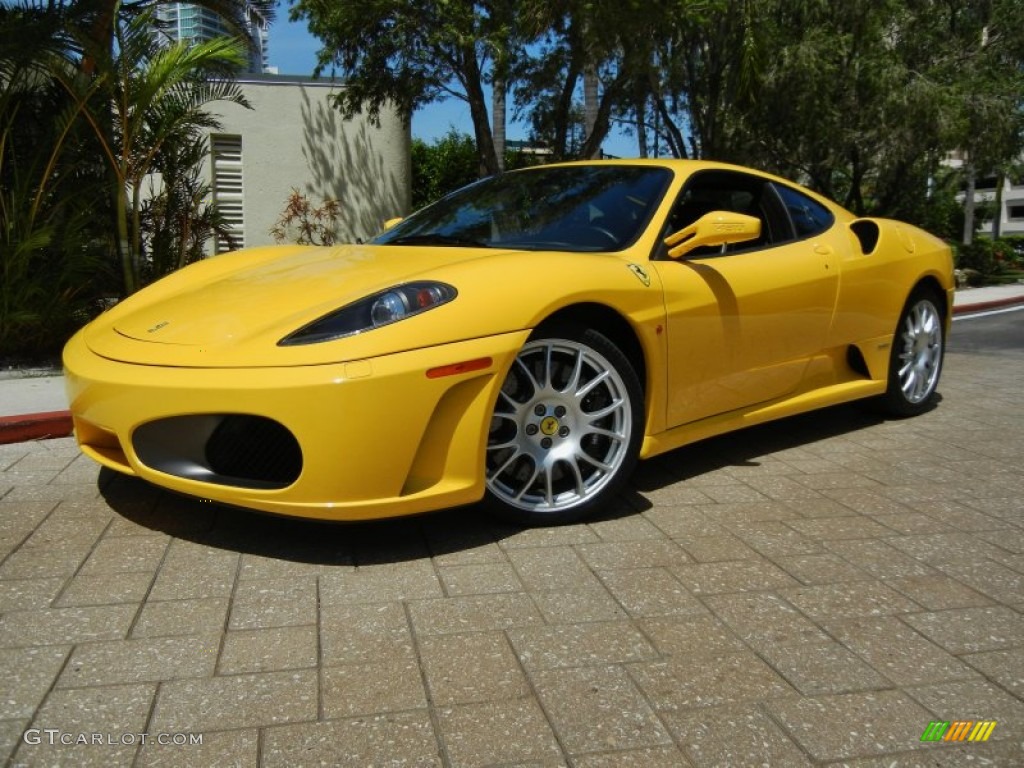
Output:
(81, 125)
(105, 22)
(155, 94)
(49, 180)
(178, 217)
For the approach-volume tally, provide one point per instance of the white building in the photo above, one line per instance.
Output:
(293, 138)
(1009, 219)
(192, 23)
(1011, 213)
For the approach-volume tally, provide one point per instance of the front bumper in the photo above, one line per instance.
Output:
(374, 438)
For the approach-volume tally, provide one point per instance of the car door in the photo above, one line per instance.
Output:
(744, 321)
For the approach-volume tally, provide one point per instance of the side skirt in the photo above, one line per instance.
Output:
(685, 434)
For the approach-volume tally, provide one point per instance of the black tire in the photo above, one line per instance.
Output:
(915, 361)
(566, 429)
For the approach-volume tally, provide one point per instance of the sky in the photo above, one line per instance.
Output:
(293, 52)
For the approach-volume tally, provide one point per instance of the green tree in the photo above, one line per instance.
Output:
(988, 103)
(442, 167)
(51, 249)
(697, 70)
(408, 53)
(158, 93)
(104, 21)
(82, 122)
(449, 163)
(177, 217)
(603, 47)
(862, 100)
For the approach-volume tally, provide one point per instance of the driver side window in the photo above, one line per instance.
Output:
(709, 191)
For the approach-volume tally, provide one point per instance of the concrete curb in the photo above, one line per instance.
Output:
(39, 426)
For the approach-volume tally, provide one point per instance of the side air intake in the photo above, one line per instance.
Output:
(867, 233)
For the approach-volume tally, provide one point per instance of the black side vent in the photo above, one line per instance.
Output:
(867, 232)
(254, 449)
(855, 359)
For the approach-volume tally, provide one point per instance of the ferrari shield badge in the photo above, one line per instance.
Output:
(640, 273)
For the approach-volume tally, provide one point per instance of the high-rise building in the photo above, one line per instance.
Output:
(193, 23)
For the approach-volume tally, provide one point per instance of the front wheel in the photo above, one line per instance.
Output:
(566, 429)
(916, 358)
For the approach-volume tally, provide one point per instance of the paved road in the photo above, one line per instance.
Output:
(813, 592)
(998, 331)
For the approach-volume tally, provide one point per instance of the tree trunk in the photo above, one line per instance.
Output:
(590, 111)
(997, 222)
(124, 241)
(602, 121)
(968, 237)
(674, 136)
(498, 91)
(854, 197)
(100, 35)
(478, 113)
(640, 112)
(561, 119)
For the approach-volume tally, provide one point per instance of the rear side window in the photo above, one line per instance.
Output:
(809, 216)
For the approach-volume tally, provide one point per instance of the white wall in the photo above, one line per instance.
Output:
(294, 138)
(1010, 222)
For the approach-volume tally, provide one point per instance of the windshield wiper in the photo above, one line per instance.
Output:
(437, 239)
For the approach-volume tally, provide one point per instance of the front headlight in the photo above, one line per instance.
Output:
(382, 308)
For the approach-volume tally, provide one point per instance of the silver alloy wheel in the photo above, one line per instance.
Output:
(920, 351)
(561, 427)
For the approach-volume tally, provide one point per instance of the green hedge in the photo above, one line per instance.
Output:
(989, 261)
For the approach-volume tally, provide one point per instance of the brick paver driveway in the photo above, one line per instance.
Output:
(810, 592)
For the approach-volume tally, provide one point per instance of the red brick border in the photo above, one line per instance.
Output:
(34, 426)
(981, 306)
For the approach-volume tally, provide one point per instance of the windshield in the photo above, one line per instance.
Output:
(566, 208)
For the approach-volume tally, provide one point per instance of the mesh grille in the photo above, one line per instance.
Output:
(254, 448)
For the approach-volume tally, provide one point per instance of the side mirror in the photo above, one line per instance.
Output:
(715, 228)
(391, 222)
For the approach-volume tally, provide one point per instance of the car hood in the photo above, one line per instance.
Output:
(225, 310)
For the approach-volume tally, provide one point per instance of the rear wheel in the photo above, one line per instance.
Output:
(566, 428)
(916, 358)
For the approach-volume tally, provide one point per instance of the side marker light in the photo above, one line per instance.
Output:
(454, 369)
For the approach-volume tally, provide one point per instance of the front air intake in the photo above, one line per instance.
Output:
(233, 449)
(254, 448)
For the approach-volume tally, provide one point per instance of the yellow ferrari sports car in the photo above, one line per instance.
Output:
(523, 341)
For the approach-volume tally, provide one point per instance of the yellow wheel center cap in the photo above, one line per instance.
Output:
(549, 425)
